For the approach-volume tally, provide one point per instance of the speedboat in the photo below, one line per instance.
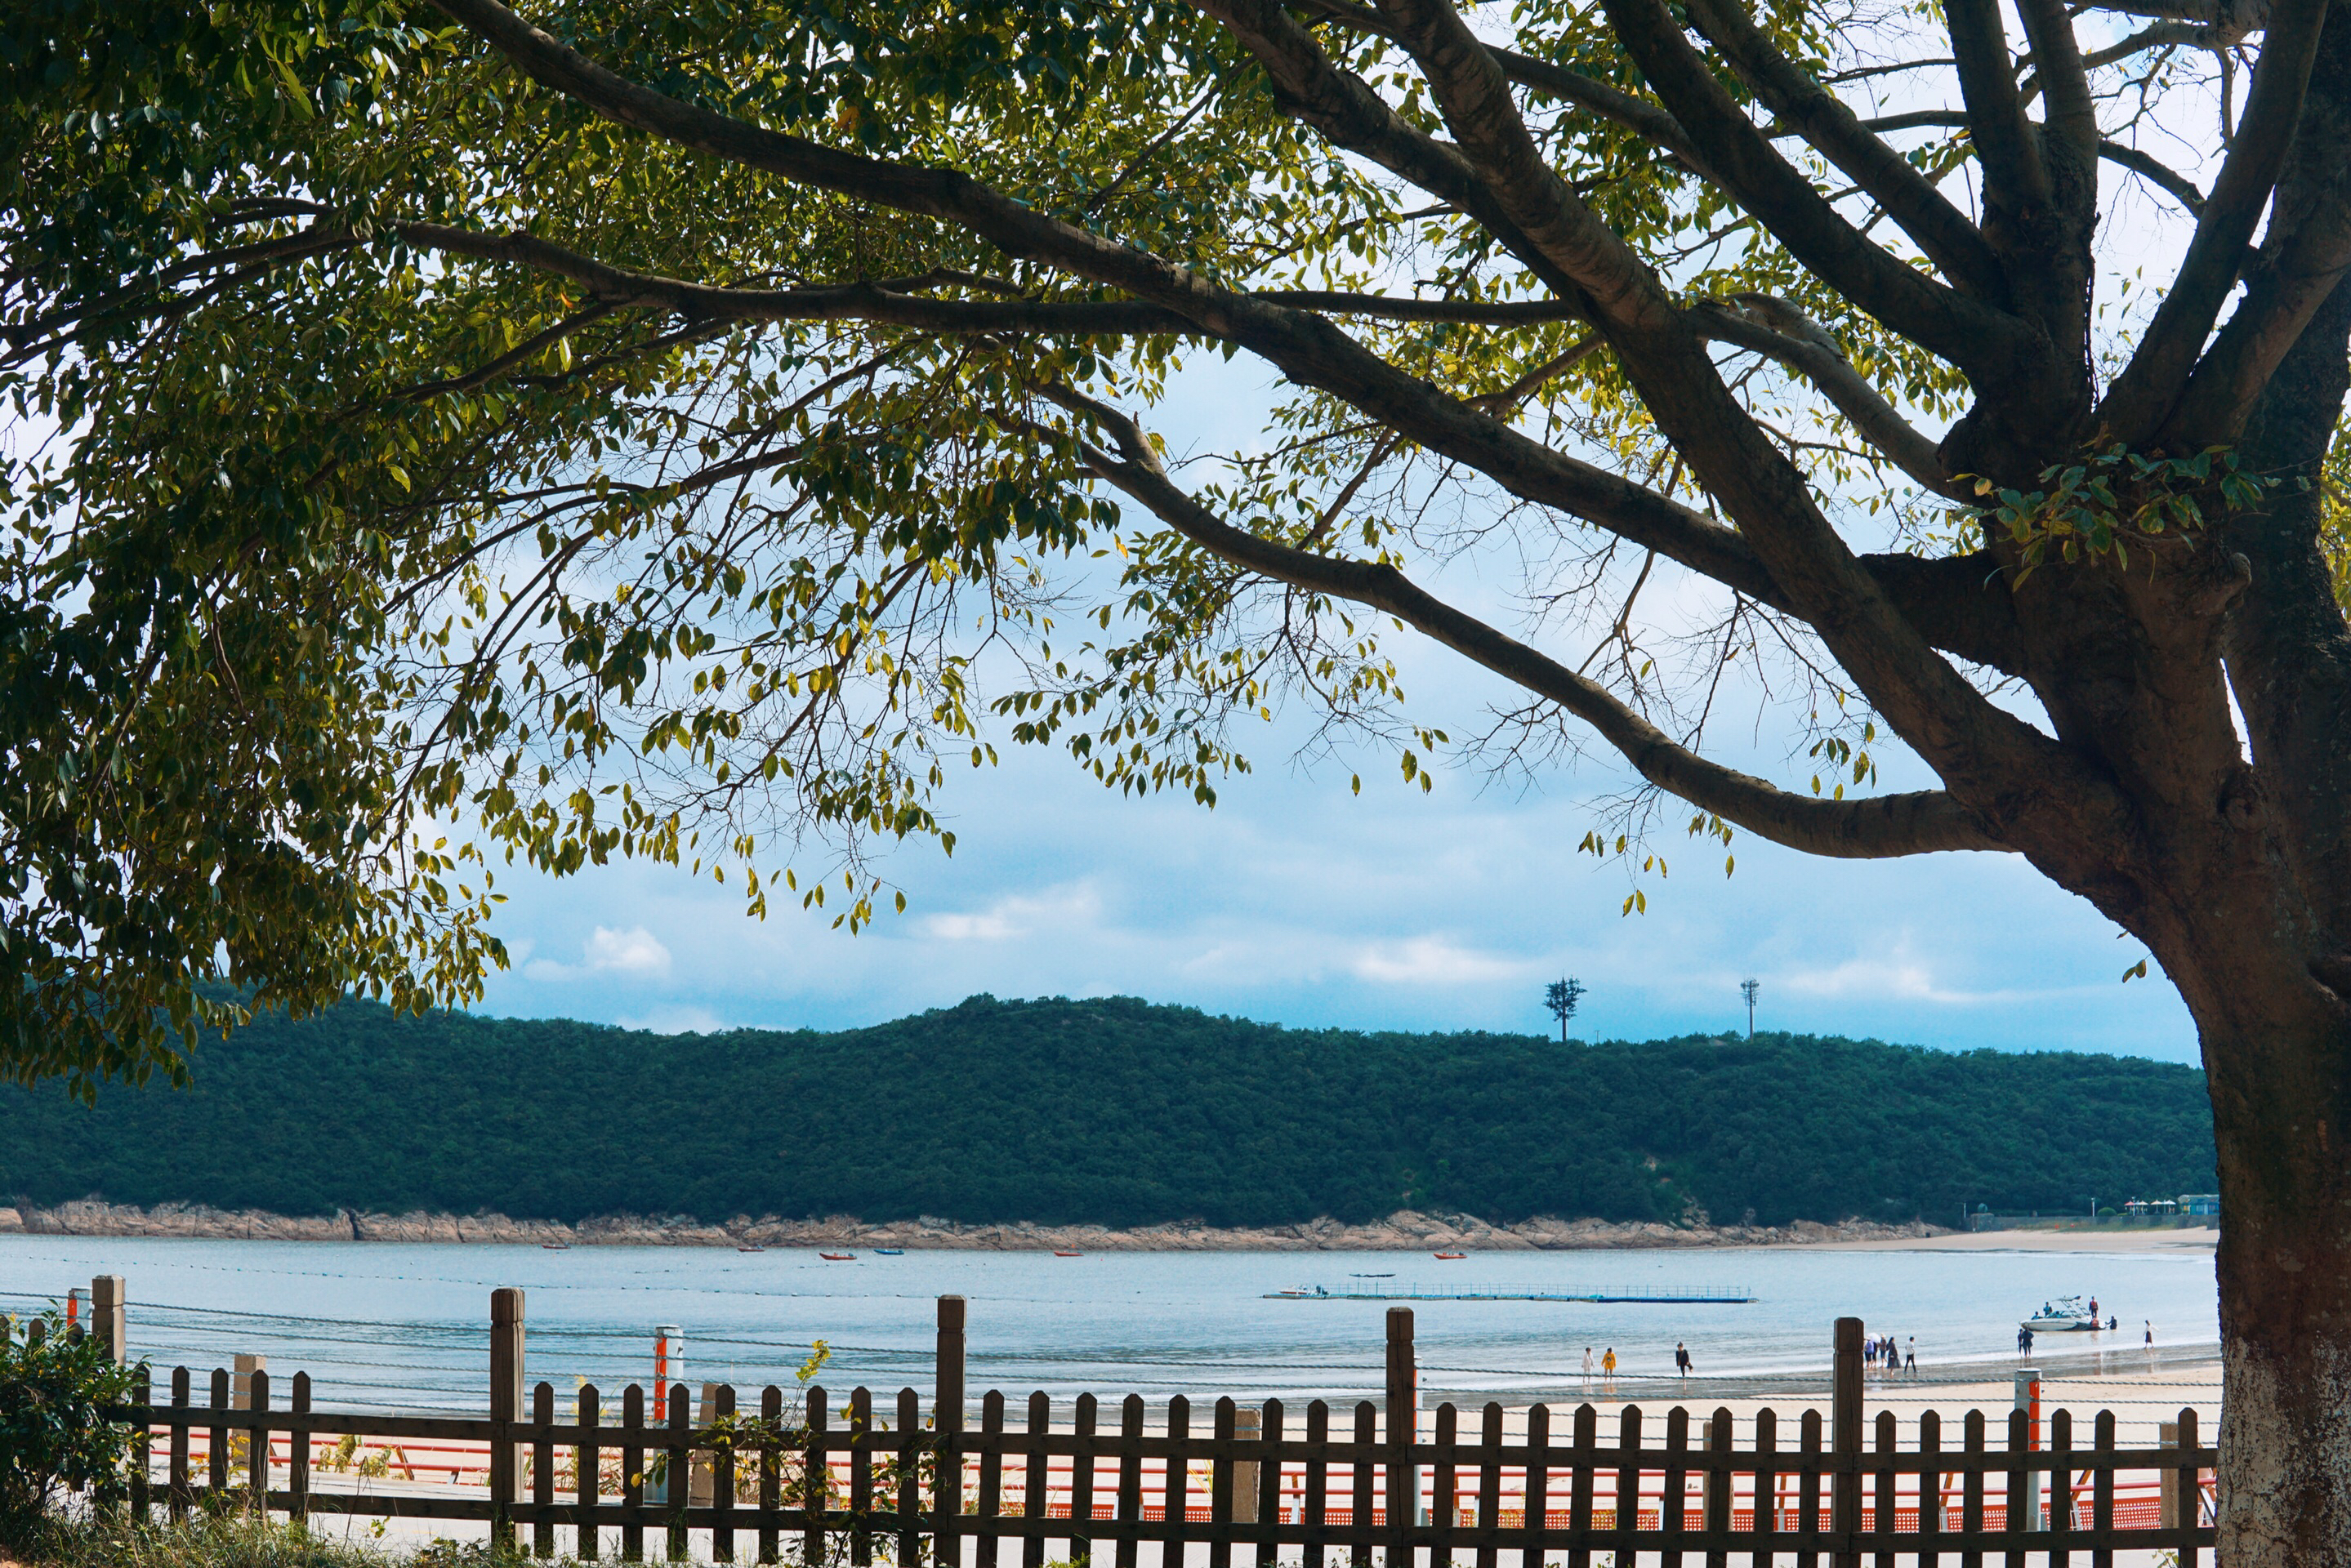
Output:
(1391, 1274)
(1450, 1257)
(1060, 1254)
(838, 1257)
(890, 1251)
(2067, 1314)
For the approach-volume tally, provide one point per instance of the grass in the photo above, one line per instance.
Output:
(232, 1542)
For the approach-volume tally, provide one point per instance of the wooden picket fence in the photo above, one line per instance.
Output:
(856, 1484)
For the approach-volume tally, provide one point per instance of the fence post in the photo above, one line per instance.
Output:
(2166, 1435)
(2028, 1399)
(1844, 1444)
(1404, 1431)
(505, 1408)
(107, 1315)
(241, 1381)
(946, 1497)
(949, 1414)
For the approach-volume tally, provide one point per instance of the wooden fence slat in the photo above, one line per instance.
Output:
(1359, 1473)
(1537, 1492)
(1490, 1479)
(1627, 1514)
(1314, 1492)
(2019, 1503)
(770, 1466)
(1677, 1488)
(587, 1470)
(2190, 1491)
(142, 1446)
(861, 1472)
(216, 1444)
(1579, 1484)
(1767, 1487)
(991, 1475)
(1265, 1495)
(177, 1471)
(1130, 1476)
(542, 1465)
(1889, 1495)
(2102, 1494)
(298, 1469)
(1081, 1480)
(816, 1473)
(1220, 1481)
(1037, 1479)
(1176, 1513)
(1931, 1488)
(1720, 1484)
(909, 1477)
(722, 1478)
(677, 1470)
(1971, 1506)
(633, 1473)
(1445, 1484)
(1808, 1490)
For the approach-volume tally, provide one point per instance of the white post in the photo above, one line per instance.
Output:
(240, 1396)
(106, 1315)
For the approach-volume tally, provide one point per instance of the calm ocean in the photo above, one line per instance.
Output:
(403, 1325)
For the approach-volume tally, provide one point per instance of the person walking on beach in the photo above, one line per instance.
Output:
(1608, 1371)
(2024, 1345)
(2150, 1341)
(1910, 1358)
(1587, 1369)
(1682, 1360)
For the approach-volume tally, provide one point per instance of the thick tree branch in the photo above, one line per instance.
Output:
(1935, 709)
(1880, 829)
(2164, 178)
(2007, 147)
(2141, 399)
(1779, 330)
(1602, 99)
(1951, 241)
(1976, 336)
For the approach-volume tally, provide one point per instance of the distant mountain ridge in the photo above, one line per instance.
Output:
(1111, 1112)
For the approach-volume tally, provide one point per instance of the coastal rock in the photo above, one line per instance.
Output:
(1405, 1231)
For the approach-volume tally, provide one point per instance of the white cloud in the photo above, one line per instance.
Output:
(1901, 975)
(635, 953)
(1432, 961)
(1017, 917)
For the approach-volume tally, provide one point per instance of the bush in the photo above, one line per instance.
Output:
(54, 1437)
(229, 1541)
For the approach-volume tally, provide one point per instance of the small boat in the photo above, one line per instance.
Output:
(889, 1252)
(838, 1257)
(1386, 1276)
(2067, 1314)
(750, 1249)
(1450, 1257)
(557, 1246)
(1058, 1253)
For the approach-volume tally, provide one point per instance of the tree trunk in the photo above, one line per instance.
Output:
(2285, 1300)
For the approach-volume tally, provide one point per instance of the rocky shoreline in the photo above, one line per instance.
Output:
(1406, 1230)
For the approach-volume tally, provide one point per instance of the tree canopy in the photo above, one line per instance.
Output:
(1106, 1112)
(450, 433)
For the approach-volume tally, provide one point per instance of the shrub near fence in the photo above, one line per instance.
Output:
(860, 1484)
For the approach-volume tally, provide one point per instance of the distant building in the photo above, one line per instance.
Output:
(2200, 1204)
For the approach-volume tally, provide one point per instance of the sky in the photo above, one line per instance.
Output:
(1296, 902)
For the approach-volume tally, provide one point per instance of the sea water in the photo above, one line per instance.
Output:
(404, 1326)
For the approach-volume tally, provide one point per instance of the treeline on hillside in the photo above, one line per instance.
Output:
(1113, 1112)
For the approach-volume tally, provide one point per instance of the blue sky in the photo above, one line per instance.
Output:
(1297, 901)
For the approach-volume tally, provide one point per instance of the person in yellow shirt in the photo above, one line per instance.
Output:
(1608, 1371)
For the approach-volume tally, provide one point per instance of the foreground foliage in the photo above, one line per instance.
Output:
(1109, 1112)
(53, 1439)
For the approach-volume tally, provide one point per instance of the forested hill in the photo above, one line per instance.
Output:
(1112, 1112)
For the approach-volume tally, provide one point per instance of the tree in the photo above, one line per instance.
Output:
(1559, 998)
(671, 429)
